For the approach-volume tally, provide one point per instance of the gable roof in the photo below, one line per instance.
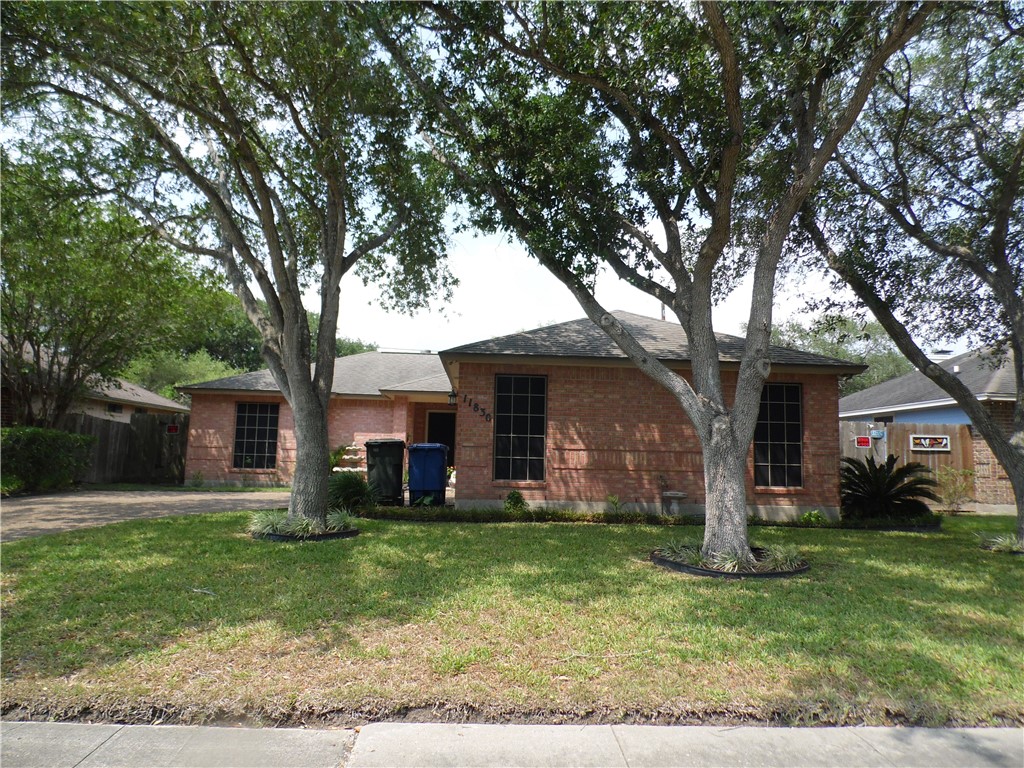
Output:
(984, 374)
(121, 391)
(367, 374)
(666, 340)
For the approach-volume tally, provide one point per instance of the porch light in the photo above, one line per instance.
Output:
(452, 397)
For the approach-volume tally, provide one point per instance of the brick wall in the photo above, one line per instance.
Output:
(612, 431)
(212, 434)
(991, 483)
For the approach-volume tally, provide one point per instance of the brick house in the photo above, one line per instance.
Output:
(914, 398)
(557, 413)
(561, 415)
(242, 429)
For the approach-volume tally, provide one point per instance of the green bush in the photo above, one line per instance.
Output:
(36, 459)
(515, 503)
(813, 519)
(871, 491)
(348, 490)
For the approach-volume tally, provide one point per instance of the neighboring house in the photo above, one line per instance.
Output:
(558, 413)
(119, 399)
(914, 398)
(561, 415)
(242, 429)
(115, 401)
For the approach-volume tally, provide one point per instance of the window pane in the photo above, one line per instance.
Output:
(536, 469)
(761, 474)
(519, 427)
(255, 444)
(777, 437)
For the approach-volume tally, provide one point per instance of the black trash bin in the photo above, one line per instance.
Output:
(428, 473)
(384, 462)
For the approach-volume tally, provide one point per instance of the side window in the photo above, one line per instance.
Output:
(256, 435)
(778, 438)
(520, 425)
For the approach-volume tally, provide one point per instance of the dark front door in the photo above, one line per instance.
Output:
(441, 429)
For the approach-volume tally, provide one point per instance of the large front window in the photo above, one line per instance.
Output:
(520, 411)
(778, 456)
(256, 436)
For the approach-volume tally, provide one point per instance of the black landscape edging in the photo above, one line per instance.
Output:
(346, 534)
(694, 570)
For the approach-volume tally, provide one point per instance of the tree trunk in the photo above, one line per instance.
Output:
(1015, 471)
(309, 483)
(725, 472)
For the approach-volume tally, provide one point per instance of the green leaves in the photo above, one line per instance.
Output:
(85, 289)
(871, 491)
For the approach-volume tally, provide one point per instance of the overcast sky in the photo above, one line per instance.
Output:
(503, 291)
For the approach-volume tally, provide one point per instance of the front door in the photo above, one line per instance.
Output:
(441, 429)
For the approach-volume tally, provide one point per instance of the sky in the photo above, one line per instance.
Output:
(503, 291)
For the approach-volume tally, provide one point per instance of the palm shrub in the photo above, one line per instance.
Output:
(871, 491)
(348, 490)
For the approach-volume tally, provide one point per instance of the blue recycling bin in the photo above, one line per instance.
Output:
(428, 473)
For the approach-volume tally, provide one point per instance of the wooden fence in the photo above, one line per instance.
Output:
(934, 445)
(150, 449)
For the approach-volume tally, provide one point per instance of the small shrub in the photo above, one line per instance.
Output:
(767, 560)
(515, 503)
(955, 488)
(264, 521)
(276, 521)
(339, 519)
(614, 505)
(684, 552)
(348, 490)
(871, 491)
(196, 481)
(782, 557)
(813, 519)
(1007, 543)
(36, 459)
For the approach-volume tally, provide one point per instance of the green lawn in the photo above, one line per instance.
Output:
(189, 619)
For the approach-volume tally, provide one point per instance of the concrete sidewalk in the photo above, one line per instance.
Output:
(75, 745)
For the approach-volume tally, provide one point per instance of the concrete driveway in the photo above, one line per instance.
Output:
(51, 513)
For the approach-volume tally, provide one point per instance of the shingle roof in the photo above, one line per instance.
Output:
(122, 391)
(666, 340)
(365, 374)
(985, 375)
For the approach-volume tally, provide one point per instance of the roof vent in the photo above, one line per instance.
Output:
(956, 370)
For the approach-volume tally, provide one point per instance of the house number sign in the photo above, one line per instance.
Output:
(477, 408)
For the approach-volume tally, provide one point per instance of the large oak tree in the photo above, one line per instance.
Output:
(270, 138)
(626, 136)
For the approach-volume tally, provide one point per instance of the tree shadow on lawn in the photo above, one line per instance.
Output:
(95, 596)
(880, 617)
(915, 628)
